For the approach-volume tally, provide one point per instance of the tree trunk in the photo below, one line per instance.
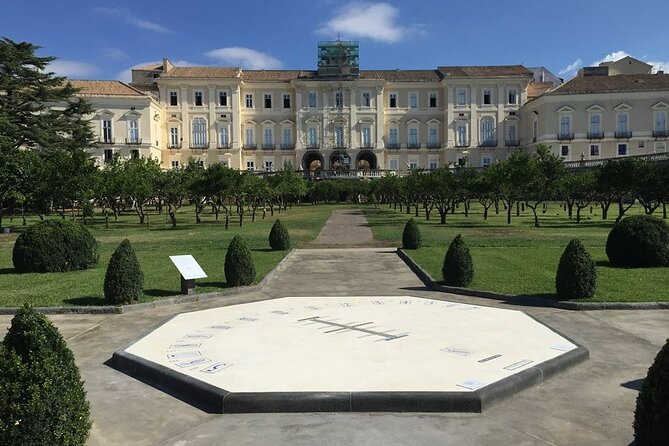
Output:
(485, 213)
(578, 214)
(173, 218)
(534, 212)
(442, 215)
(517, 209)
(509, 207)
(664, 210)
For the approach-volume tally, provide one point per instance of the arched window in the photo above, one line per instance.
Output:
(199, 133)
(488, 130)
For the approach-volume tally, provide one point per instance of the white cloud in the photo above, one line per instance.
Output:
(571, 69)
(376, 21)
(132, 19)
(611, 57)
(126, 75)
(72, 68)
(617, 55)
(245, 57)
(114, 53)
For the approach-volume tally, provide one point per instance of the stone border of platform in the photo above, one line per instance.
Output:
(429, 282)
(216, 400)
(176, 300)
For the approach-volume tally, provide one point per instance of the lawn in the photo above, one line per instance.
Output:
(520, 259)
(153, 244)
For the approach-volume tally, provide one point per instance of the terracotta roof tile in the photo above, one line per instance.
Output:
(201, 72)
(613, 84)
(536, 89)
(104, 88)
(402, 75)
(485, 71)
(270, 75)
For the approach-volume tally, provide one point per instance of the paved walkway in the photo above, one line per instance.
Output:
(591, 404)
(345, 227)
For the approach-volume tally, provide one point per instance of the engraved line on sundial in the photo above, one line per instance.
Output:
(340, 328)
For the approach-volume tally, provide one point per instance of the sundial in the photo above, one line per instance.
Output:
(386, 353)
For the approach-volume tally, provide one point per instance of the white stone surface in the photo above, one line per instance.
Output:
(298, 344)
(188, 267)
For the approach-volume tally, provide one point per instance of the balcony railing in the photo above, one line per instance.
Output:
(462, 144)
(174, 146)
(107, 140)
(199, 146)
(565, 136)
(366, 145)
(660, 133)
(433, 145)
(250, 147)
(393, 145)
(488, 143)
(623, 135)
(340, 147)
(223, 146)
(313, 146)
(595, 135)
(287, 146)
(511, 143)
(268, 146)
(413, 145)
(136, 141)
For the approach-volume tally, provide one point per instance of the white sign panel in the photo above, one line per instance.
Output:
(188, 267)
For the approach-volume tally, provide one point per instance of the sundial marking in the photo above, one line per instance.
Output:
(357, 327)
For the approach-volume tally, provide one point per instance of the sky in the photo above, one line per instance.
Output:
(104, 40)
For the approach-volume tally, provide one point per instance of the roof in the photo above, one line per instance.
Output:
(201, 72)
(105, 88)
(402, 75)
(273, 75)
(149, 67)
(536, 89)
(485, 71)
(613, 84)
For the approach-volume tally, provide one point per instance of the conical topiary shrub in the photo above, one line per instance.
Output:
(639, 241)
(576, 274)
(239, 267)
(651, 417)
(124, 281)
(411, 238)
(458, 268)
(42, 396)
(279, 239)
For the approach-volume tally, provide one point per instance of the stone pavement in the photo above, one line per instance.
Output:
(345, 227)
(591, 404)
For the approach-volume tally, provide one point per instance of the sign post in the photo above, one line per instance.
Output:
(189, 270)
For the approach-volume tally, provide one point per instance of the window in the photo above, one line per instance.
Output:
(224, 138)
(392, 164)
(339, 99)
(175, 164)
(660, 147)
(268, 138)
(461, 96)
(511, 133)
(366, 136)
(250, 166)
(107, 130)
(488, 130)
(223, 98)
(595, 126)
(199, 133)
(134, 154)
(393, 137)
(622, 149)
(249, 142)
(366, 99)
(461, 134)
(413, 163)
(393, 100)
(413, 100)
(486, 161)
(107, 156)
(513, 96)
(198, 98)
(535, 130)
(249, 100)
(174, 137)
(433, 100)
(432, 165)
(174, 98)
(487, 97)
(432, 137)
(565, 125)
(269, 166)
(594, 149)
(312, 99)
(564, 151)
(413, 138)
(286, 100)
(287, 138)
(312, 137)
(660, 121)
(133, 132)
(268, 100)
(621, 123)
(339, 136)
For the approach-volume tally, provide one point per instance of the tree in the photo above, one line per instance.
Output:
(515, 178)
(484, 189)
(617, 183)
(444, 194)
(458, 267)
(411, 238)
(279, 239)
(239, 267)
(42, 396)
(548, 171)
(651, 417)
(139, 180)
(108, 189)
(124, 280)
(576, 275)
(196, 187)
(578, 189)
(174, 190)
(650, 186)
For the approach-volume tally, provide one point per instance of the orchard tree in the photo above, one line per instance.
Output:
(174, 191)
(139, 178)
(578, 190)
(547, 171)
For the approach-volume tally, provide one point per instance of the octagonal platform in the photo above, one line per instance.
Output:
(310, 354)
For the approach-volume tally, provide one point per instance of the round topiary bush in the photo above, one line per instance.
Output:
(55, 245)
(42, 396)
(124, 280)
(651, 417)
(239, 267)
(411, 238)
(639, 241)
(279, 239)
(458, 268)
(576, 274)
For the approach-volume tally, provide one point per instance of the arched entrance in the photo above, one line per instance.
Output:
(366, 161)
(340, 160)
(312, 161)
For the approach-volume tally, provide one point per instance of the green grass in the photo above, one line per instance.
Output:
(153, 244)
(520, 259)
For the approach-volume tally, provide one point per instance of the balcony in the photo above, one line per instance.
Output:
(512, 143)
(565, 136)
(313, 146)
(366, 145)
(623, 135)
(393, 145)
(108, 141)
(340, 147)
(199, 146)
(287, 146)
(462, 144)
(268, 146)
(135, 141)
(488, 143)
(174, 146)
(595, 135)
(250, 147)
(660, 133)
(413, 145)
(223, 146)
(433, 145)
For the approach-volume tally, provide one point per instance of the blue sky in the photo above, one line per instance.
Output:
(103, 40)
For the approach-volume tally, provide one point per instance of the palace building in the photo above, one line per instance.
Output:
(341, 118)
